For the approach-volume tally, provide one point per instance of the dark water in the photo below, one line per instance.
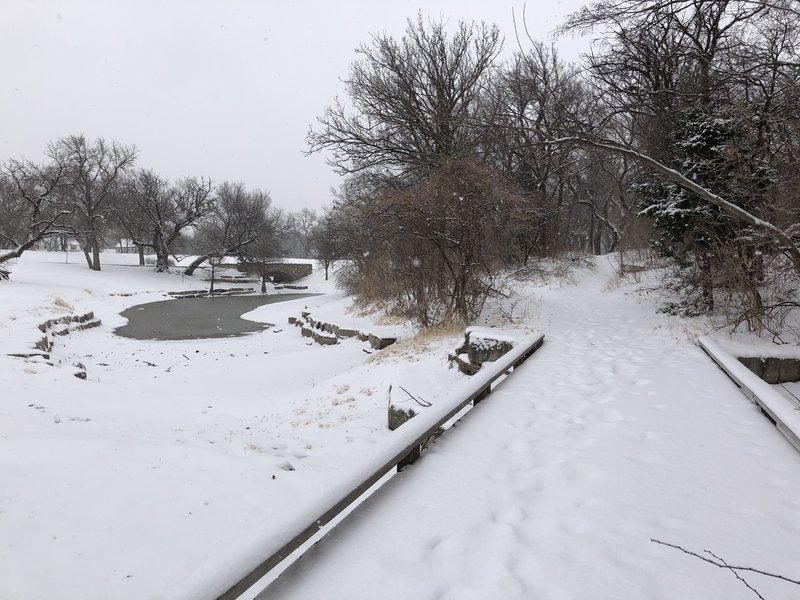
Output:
(197, 318)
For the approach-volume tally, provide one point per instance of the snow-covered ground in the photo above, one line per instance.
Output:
(175, 460)
(618, 430)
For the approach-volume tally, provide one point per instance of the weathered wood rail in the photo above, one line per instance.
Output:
(774, 406)
(406, 442)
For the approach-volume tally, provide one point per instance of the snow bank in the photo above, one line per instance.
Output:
(752, 346)
(777, 406)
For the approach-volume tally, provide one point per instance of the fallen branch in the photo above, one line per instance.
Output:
(739, 577)
(718, 562)
(420, 401)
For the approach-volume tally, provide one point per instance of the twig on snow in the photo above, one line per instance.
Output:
(420, 401)
(718, 562)
(739, 577)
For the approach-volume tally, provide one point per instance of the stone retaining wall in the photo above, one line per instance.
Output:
(480, 346)
(329, 334)
(279, 272)
(58, 327)
(63, 326)
(773, 370)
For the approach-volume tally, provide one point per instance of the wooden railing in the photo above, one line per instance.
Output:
(774, 406)
(408, 439)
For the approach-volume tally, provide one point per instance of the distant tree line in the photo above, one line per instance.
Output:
(678, 132)
(92, 192)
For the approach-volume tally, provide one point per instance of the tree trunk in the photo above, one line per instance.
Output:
(96, 256)
(86, 254)
(196, 263)
(615, 235)
(263, 284)
(706, 285)
(211, 289)
(141, 255)
(162, 257)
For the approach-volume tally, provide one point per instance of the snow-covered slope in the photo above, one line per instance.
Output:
(175, 458)
(617, 431)
(172, 458)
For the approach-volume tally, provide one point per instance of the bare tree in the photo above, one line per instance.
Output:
(156, 213)
(701, 95)
(786, 240)
(412, 100)
(264, 250)
(305, 221)
(300, 226)
(30, 205)
(325, 244)
(432, 250)
(534, 98)
(236, 220)
(94, 168)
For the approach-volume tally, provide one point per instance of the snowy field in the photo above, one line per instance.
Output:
(173, 457)
(176, 459)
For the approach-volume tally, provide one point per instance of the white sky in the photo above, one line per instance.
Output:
(220, 89)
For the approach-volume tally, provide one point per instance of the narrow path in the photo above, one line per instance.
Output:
(197, 318)
(614, 433)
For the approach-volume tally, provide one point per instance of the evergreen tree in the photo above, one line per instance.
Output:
(714, 149)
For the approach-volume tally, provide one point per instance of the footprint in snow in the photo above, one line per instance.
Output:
(497, 476)
(519, 447)
(777, 482)
(446, 546)
(651, 459)
(576, 527)
(509, 516)
(613, 416)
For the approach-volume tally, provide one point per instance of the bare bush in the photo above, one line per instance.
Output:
(438, 245)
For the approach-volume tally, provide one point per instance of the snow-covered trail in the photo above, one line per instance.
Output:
(614, 433)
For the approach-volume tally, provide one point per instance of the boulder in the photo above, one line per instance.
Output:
(482, 348)
(379, 343)
(481, 345)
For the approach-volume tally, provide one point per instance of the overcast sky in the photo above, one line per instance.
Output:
(222, 89)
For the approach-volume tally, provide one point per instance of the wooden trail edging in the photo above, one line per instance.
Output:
(774, 406)
(406, 441)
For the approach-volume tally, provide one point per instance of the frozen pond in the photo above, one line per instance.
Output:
(197, 318)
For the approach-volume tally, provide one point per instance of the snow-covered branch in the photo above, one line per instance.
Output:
(783, 239)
